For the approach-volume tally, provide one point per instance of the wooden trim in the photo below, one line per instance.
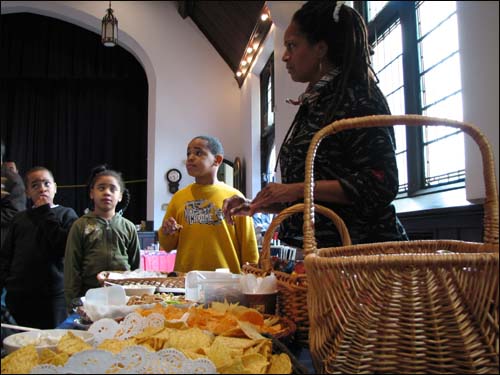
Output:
(463, 223)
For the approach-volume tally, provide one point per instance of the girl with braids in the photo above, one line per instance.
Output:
(355, 171)
(102, 239)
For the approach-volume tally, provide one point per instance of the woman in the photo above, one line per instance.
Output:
(355, 170)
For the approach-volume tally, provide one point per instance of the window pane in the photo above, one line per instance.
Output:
(388, 47)
(403, 173)
(445, 157)
(400, 133)
(431, 13)
(441, 43)
(441, 90)
(270, 106)
(388, 65)
(396, 101)
(450, 108)
(374, 7)
(441, 81)
(271, 176)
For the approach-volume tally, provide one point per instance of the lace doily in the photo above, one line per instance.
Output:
(132, 360)
(133, 324)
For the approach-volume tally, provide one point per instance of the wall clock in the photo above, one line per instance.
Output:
(173, 176)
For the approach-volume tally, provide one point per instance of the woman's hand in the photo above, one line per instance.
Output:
(170, 226)
(235, 205)
(276, 193)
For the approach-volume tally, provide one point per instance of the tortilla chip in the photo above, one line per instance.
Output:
(280, 364)
(255, 363)
(71, 344)
(114, 345)
(50, 357)
(20, 361)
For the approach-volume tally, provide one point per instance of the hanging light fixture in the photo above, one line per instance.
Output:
(109, 31)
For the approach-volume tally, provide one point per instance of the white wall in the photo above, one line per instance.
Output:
(478, 40)
(192, 90)
(281, 13)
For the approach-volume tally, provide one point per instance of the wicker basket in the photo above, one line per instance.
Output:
(292, 289)
(164, 281)
(405, 307)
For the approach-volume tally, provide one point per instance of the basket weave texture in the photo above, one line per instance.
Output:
(292, 288)
(164, 281)
(404, 307)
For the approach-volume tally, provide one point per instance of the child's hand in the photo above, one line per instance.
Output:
(42, 200)
(170, 226)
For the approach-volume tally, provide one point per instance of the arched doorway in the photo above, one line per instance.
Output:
(69, 103)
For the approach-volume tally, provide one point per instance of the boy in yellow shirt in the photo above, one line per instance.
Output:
(194, 222)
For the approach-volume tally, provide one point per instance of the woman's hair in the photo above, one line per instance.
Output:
(345, 34)
(213, 144)
(103, 170)
(36, 169)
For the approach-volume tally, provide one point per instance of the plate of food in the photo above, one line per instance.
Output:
(43, 339)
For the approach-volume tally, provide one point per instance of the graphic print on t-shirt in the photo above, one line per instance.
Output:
(203, 212)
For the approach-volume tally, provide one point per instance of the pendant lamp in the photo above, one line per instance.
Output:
(109, 31)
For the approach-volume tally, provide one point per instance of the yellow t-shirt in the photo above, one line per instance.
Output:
(206, 241)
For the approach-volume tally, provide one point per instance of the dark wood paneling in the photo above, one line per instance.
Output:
(458, 223)
(227, 25)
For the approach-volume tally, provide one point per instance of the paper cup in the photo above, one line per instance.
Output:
(263, 303)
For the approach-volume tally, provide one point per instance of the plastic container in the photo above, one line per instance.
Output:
(159, 261)
(166, 261)
(209, 286)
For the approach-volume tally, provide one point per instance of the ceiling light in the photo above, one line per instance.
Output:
(251, 50)
(109, 30)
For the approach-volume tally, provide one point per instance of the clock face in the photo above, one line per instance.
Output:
(174, 175)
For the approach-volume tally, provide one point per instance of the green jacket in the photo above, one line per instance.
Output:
(94, 245)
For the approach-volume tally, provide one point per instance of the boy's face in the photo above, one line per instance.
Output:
(200, 160)
(41, 188)
(10, 165)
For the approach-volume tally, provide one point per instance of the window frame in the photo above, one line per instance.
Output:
(405, 11)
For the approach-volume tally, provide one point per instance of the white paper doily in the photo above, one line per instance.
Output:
(133, 324)
(131, 360)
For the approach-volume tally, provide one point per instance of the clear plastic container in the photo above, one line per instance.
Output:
(208, 286)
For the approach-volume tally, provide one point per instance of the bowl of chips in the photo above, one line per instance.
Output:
(43, 339)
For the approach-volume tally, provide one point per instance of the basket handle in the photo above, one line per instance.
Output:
(491, 202)
(265, 255)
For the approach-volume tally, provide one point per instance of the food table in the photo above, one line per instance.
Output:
(302, 354)
(301, 362)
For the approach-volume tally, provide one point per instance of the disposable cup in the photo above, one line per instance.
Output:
(264, 303)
